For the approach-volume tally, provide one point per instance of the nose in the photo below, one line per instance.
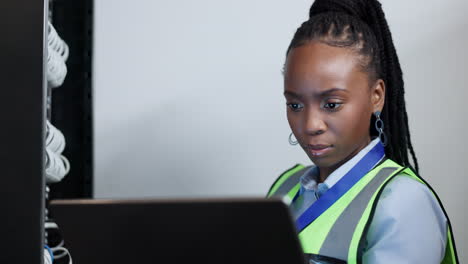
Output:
(314, 123)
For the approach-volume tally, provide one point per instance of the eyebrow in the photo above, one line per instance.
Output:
(321, 94)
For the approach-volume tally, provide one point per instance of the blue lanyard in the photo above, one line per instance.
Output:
(341, 187)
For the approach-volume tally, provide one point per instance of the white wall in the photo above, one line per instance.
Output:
(188, 96)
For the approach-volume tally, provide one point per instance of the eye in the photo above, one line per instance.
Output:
(295, 107)
(332, 106)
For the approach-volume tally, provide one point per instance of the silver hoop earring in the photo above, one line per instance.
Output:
(291, 141)
(379, 126)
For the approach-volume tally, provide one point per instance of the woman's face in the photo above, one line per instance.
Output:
(329, 102)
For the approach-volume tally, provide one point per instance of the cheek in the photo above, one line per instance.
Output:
(288, 116)
(351, 124)
(294, 122)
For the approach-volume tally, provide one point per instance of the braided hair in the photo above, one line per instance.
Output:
(360, 25)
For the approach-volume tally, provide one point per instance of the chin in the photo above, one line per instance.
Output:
(322, 162)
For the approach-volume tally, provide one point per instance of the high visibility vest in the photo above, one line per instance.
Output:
(338, 233)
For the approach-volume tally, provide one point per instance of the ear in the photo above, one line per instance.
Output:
(378, 95)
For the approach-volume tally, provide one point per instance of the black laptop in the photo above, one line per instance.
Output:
(240, 231)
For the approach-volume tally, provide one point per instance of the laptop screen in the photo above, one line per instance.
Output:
(178, 231)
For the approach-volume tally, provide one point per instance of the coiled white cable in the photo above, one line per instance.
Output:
(50, 225)
(55, 140)
(64, 251)
(56, 43)
(48, 255)
(57, 165)
(58, 52)
(56, 69)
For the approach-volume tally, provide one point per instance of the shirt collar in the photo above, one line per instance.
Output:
(310, 177)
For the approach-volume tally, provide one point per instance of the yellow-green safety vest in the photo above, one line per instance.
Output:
(339, 231)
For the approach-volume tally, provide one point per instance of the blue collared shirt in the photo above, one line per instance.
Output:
(408, 225)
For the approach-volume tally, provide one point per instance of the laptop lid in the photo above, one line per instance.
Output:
(178, 231)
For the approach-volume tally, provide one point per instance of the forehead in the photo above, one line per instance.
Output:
(320, 66)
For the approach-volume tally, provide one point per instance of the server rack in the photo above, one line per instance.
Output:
(27, 103)
(69, 109)
(22, 71)
(71, 103)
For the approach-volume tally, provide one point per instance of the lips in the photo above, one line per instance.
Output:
(318, 146)
(317, 150)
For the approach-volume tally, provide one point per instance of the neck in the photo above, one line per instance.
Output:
(324, 173)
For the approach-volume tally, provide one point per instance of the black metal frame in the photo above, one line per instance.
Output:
(22, 71)
(71, 109)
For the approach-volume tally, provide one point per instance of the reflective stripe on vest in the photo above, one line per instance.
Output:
(339, 238)
(338, 232)
(288, 183)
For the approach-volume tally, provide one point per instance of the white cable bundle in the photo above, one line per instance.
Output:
(63, 253)
(56, 253)
(48, 255)
(56, 58)
(57, 166)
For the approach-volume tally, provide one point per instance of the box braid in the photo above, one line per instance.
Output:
(360, 25)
